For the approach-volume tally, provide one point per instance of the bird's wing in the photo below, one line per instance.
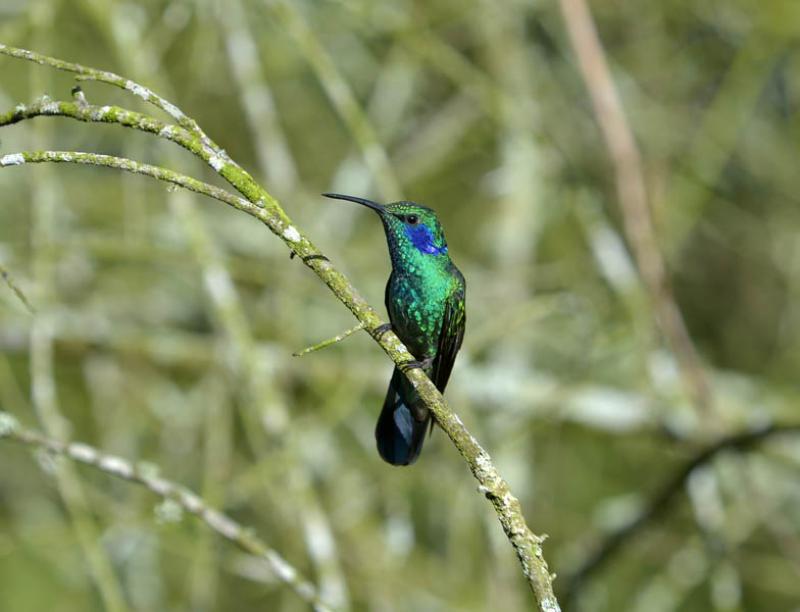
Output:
(450, 337)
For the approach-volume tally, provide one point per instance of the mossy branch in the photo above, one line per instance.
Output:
(266, 208)
(103, 76)
(147, 476)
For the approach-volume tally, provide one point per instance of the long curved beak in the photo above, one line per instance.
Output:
(364, 202)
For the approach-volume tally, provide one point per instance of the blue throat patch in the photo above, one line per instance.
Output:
(422, 238)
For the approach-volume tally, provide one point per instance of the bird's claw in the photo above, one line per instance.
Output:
(422, 365)
(378, 332)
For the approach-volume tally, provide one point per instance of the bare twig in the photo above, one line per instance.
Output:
(663, 499)
(326, 343)
(271, 146)
(121, 163)
(632, 193)
(103, 76)
(222, 524)
(263, 206)
(17, 291)
(78, 109)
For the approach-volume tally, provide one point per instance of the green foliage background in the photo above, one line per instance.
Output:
(165, 323)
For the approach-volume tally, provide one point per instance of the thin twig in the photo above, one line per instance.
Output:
(17, 291)
(633, 194)
(271, 146)
(266, 208)
(44, 388)
(222, 524)
(78, 109)
(103, 76)
(326, 343)
(121, 163)
(663, 499)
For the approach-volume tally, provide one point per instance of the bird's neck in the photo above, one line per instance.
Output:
(411, 262)
(417, 254)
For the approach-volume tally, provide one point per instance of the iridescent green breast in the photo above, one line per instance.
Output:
(416, 296)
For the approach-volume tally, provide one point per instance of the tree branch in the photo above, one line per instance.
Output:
(266, 208)
(326, 343)
(128, 165)
(663, 500)
(92, 74)
(80, 110)
(117, 467)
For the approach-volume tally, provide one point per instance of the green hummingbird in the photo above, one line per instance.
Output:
(425, 300)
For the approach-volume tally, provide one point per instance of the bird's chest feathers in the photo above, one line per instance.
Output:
(416, 303)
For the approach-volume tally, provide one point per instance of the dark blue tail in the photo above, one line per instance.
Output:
(401, 428)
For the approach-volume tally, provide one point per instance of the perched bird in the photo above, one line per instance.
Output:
(425, 301)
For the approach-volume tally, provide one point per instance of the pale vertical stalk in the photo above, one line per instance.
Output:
(342, 98)
(263, 395)
(520, 178)
(43, 387)
(139, 58)
(632, 192)
(217, 456)
(615, 263)
(517, 191)
(277, 164)
(262, 408)
(272, 149)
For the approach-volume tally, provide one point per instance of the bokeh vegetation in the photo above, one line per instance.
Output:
(164, 324)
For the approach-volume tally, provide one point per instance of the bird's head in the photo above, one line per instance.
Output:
(409, 226)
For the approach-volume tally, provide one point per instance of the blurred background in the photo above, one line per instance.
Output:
(165, 323)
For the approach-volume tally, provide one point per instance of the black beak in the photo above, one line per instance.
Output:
(364, 202)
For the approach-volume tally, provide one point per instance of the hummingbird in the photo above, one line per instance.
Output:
(425, 301)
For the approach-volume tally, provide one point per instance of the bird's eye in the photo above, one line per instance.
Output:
(412, 219)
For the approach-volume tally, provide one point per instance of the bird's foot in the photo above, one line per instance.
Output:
(422, 365)
(308, 258)
(378, 332)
